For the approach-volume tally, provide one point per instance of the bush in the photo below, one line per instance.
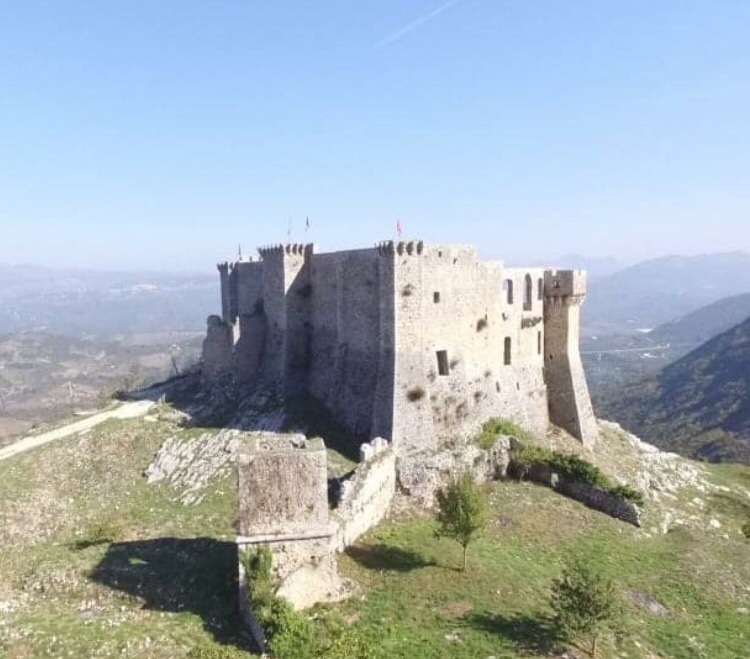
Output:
(493, 428)
(572, 468)
(215, 652)
(481, 324)
(746, 530)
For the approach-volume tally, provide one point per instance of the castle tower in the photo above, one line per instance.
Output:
(286, 306)
(568, 396)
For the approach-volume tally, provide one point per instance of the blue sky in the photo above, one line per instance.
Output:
(160, 134)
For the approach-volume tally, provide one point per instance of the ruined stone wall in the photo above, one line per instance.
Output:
(217, 351)
(346, 335)
(452, 319)
(569, 401)
(367, 495)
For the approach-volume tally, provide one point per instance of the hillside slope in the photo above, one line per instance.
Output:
(699, 405)
(98, 562)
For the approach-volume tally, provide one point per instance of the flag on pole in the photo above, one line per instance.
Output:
(398, 228)
(307, 224)
(289, 229)
(239, 251)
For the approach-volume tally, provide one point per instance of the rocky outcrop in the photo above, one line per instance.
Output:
(421, 475)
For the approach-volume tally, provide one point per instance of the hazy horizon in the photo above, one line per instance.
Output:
(159, 136)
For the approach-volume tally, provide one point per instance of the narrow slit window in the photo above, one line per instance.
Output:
(527, 294)
(538, 343)
(442, 360)
(508, 287)
(506, 351)
(540, 287)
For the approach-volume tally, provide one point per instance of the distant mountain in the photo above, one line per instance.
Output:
(699, 405)
(596, 267)
(705, 323)
(93, 303)
(657, 291)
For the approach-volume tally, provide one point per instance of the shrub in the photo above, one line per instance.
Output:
(415, 393)
(207, 651)
(746, 530)
(570, 467)
(481, 324)
(407, 290)
(493, 428)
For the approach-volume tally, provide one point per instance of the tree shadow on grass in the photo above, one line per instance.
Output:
(385, 557)
(531, 635)
(197, 575)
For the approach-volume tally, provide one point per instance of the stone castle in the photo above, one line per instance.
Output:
(416, 343)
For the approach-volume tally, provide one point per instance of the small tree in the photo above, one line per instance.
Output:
(462, 511)
(583, 602)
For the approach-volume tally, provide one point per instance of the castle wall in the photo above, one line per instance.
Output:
(345, 344)
(417, 343)
(448, 302)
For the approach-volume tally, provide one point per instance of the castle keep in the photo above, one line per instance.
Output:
(416, 343)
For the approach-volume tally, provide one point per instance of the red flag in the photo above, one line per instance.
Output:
(398, 228)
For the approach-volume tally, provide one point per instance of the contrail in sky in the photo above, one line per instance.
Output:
(415, 24)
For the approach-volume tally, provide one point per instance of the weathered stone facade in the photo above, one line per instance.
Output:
(283, 504)
(416, 343)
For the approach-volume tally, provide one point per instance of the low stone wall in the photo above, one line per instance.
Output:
(367, 495)
(589, 495)
(421, 475)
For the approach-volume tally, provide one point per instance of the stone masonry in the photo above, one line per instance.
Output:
(416, 343)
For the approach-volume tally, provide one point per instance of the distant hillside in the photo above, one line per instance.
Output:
(699, 405)
(45, 377)
(102, 304)
(705, 323)
(657, 291)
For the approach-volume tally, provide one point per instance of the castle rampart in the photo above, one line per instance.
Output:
(415, 342)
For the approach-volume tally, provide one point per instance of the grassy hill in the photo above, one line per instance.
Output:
(699, 405)
(97, 562)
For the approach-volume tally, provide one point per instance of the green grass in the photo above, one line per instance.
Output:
(97, 563)
(500, 605)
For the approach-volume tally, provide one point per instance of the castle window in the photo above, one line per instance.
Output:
(442, 360)
(527, 286)
(540, 285)
(538, 343)
(506, 351)
(508, 288)
(436, 297)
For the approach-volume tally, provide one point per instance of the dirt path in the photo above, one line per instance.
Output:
(125, 411)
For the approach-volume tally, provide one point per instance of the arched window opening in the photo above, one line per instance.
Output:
(527, 287)
(540, 292)
(508, 288)
(506, 351)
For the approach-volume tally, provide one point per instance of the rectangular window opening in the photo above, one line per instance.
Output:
(538, 343)
(436, 297)
(442, 360)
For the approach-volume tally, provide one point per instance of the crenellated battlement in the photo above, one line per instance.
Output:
(568, 286)
(401, 247)
(274, 251)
